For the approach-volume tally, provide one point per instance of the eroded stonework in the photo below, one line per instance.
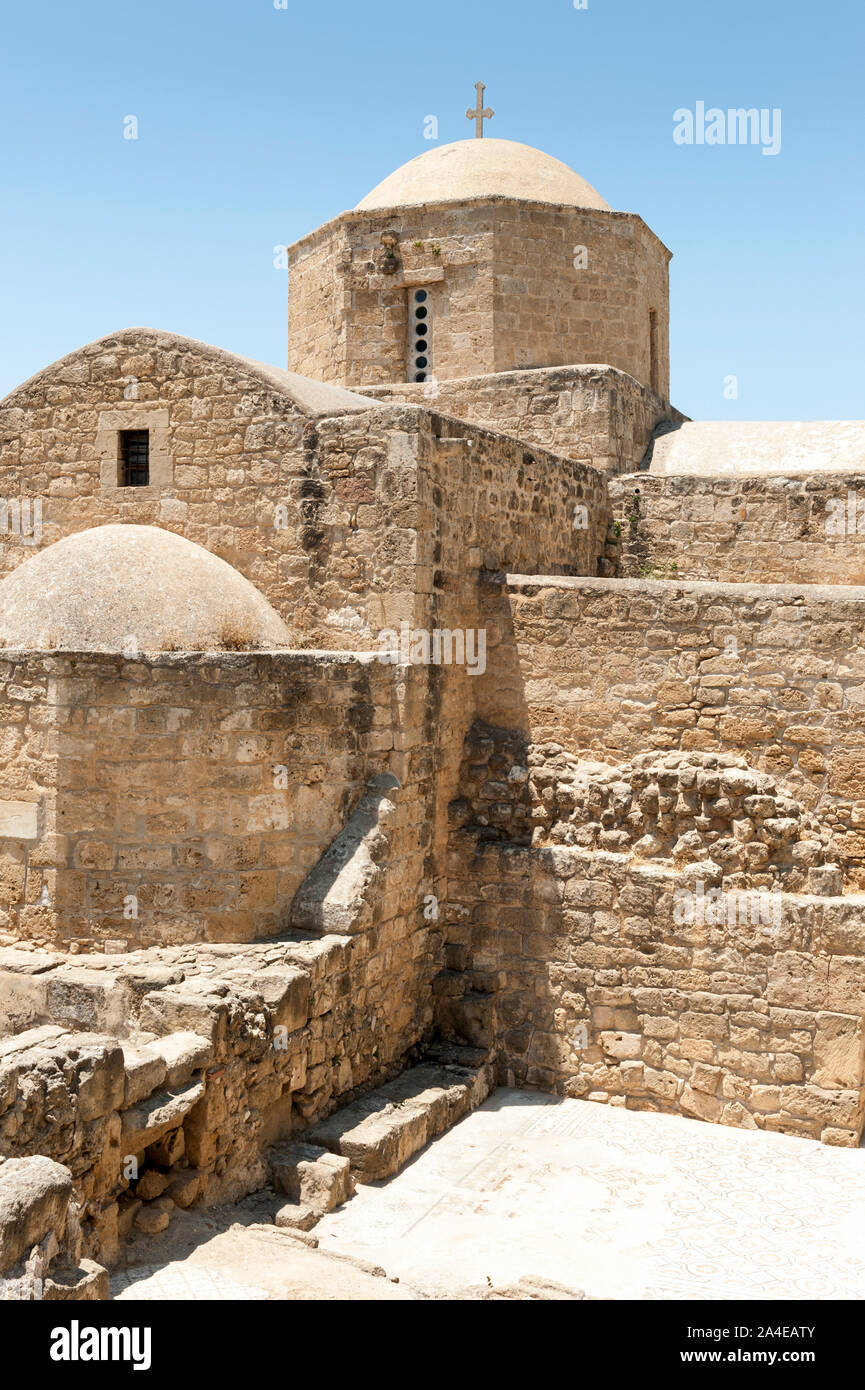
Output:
(491, 750)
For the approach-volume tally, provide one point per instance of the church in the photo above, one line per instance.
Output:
(277, 899)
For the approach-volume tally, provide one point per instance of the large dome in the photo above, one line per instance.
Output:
(110, 587)
(482, 169)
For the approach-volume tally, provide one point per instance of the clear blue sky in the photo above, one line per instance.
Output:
(257, 124)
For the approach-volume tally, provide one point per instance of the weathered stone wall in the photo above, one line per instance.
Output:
(160, 1076)
(661, 934)
(771, 530)
(163, 1075)
(599, 415)
(614, 668)
(320, 513)
(28, 790)
(185, 798)
(504, 292)
(234, 456)
(338, 294)
(579, 969)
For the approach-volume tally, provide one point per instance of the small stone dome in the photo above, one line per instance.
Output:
(104, 589)
(482, 169)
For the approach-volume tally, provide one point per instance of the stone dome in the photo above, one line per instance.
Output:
(98, 589)
(482, 169)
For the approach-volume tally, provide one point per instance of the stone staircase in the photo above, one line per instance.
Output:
(374, 1137)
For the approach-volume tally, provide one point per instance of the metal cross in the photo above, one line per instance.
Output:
(482, 113)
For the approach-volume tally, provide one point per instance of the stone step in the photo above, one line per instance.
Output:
(380, 1132)
(311, 1176)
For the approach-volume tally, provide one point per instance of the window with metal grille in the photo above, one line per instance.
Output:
(134, 458)
(419, 336)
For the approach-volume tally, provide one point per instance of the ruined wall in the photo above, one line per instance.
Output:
(770, 530)
(664, 934)
(599, 415)
(614, 668)
(598, 991)
(507, 289)
(164, 1075)
(160, 1076)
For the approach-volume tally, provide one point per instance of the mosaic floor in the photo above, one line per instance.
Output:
(617, 1203)
(612, 1202)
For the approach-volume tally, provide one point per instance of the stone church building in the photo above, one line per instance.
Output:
(442, 711)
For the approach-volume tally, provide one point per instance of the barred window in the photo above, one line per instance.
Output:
(134, 458)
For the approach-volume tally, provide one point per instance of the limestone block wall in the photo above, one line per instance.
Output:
(548, 312)
(348, 320)
(29, 845)
(663, 933)
(759, 530)
(598, 415)
(185, 797)
(236, 454)
(376, 544)
(511, 284)
(591, 985)
(319, 511)
(615, 668)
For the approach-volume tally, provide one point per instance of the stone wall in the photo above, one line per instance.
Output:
(614, 668)
(662, 934)
(319, 511)
(159, 1077)
(770, 530)
(185, 798)
(164, 1075)
(506, 290)
(599, 415)
(590, 986)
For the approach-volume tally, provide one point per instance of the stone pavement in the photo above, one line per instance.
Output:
(210, 1255)
(619, 1203)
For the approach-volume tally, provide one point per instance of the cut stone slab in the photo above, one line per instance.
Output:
(296, 1216)
(145, 1123)
(145, 1070)
(285, 990)
(312, 1176)
(184, 1054)
(27, 962)
(33, 1037)
(380, 1132)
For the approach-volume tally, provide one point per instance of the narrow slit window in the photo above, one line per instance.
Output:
(653, 350)
(134, 458)
(419, 336)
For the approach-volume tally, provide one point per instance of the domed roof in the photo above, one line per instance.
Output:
(103, 589)
(482, 169)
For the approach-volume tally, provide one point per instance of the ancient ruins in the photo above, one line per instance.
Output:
(446, 711)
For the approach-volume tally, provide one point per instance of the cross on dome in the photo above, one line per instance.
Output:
(481, 114)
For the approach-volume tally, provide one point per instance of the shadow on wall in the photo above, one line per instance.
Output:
(662, 930)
